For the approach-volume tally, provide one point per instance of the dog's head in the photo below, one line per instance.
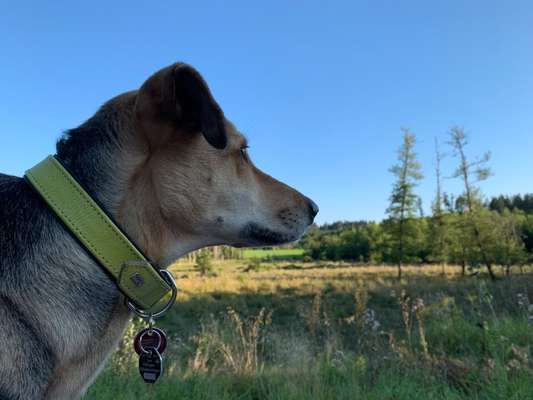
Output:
(192, 182)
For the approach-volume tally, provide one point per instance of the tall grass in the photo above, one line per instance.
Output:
(338, 332)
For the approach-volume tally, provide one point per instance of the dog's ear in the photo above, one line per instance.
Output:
(177, 98)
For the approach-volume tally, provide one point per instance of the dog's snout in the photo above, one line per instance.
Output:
(313, 209)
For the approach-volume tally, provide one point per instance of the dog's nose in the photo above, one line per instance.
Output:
(313, 209)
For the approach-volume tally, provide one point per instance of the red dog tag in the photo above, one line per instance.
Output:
(148, 339)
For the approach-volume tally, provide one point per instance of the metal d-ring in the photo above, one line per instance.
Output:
(167, 276)
(155, 347)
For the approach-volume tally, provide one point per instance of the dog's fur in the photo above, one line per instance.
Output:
(175, 175)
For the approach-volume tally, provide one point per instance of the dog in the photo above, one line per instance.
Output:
(175, 174)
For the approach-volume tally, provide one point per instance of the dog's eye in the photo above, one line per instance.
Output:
(244, 152)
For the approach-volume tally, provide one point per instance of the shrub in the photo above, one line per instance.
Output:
(203, 262)
(254, 265)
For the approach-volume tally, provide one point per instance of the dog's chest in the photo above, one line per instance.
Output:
(75, 374)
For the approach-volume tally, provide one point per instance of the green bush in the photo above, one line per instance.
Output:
(203, 263)
(255, 266)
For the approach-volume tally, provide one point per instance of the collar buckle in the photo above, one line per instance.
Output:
(148, 315)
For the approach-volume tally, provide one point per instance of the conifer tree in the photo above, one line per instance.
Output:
(404, 203)
(470, 173)
(438, 223)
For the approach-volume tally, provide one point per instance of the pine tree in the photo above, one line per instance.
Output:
(471, 173)
(438, 223)
(510, 249)
(404, 203)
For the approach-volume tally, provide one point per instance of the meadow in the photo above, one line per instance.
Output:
(274, 254)
(292, 330)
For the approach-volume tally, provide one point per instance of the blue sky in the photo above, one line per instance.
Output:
(320, 88)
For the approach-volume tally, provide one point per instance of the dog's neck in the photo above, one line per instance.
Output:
(94, 152)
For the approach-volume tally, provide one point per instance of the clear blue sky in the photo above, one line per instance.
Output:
(320, 88)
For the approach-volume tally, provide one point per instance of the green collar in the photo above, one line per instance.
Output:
(135, 276)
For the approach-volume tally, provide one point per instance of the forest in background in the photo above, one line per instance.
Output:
(464, 228)
(506, 223)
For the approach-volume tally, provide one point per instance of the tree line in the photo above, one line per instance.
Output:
(462, 229)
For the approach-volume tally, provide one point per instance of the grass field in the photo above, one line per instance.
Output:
(337, 331)
(274, 254)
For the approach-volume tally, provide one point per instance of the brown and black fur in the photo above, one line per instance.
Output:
(173, 172)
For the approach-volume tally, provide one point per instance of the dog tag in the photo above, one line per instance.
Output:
(148, 339)
(151, 366)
